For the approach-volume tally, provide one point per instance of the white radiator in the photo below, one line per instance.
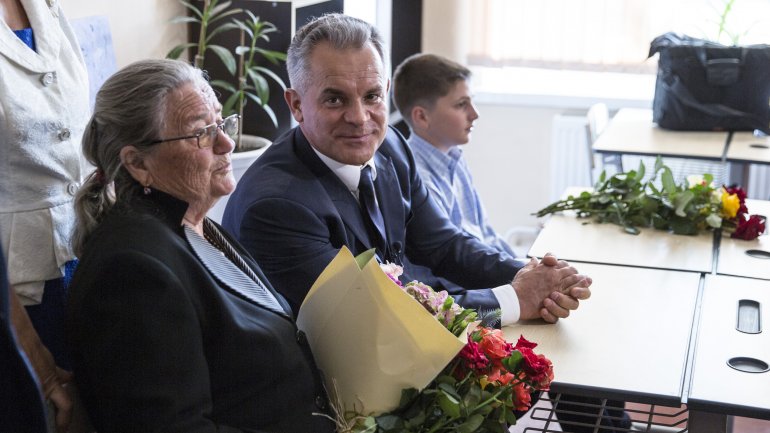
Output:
(759, 182)
(570, 162)
(569, 154)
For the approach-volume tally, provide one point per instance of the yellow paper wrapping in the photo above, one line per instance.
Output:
(370, 339)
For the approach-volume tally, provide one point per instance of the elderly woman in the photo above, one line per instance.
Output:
(174, 327)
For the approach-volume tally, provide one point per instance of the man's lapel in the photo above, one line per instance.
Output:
(343, 200)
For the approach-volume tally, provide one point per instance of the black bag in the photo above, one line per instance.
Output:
(706, 86)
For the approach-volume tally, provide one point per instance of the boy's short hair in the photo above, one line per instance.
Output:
(422, 79)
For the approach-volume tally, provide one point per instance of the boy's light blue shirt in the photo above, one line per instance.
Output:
(450, 184)
(447, 177)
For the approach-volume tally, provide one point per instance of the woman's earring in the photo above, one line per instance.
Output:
(147, 190)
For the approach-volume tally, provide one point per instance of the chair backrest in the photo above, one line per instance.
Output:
(598, 117)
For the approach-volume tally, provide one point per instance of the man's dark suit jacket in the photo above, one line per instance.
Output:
(293, 214)
(161, 342)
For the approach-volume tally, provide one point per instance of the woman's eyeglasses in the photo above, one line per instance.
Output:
(207, 136)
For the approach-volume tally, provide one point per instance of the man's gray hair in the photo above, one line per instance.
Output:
(341, 31)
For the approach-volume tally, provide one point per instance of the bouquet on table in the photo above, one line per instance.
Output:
(405, 358)
(688, 208)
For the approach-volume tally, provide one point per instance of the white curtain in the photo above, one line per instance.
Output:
(601, 35)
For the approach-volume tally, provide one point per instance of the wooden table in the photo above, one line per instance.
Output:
(732, 258)
(632, 132)
(569, 238)
(629, 341)
(715, 386)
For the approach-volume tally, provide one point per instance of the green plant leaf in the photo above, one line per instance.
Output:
(225, 56)
(179, 20)
(260, 85)
(681, 201)
(449, 404)
(224, 85)
(228, 107)
(192, 8)
(512, 361)
(178, 50)
(667, 180)
(264, 71)
(471, 425)
(219, 29)
(215, 9)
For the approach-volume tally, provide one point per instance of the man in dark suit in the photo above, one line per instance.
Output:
(307, 196)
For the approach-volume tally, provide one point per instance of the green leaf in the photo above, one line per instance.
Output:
(471, 425)
(472, 397)
(179, 20)
(639, 173)
(681, 201)
(224, 85)
(225, 56)
(178, 50)
(667, 179)
(217, 9)
(449, 390)
(271, 74)
(658, 164)
(714, 221)
(512, 361)
(192, 8)
(228, 107)
(220, 29)
(449, 404)
(387, 422)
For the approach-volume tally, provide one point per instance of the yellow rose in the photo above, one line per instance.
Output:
(730, 205)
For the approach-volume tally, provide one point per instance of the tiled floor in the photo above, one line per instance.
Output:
(740, 425)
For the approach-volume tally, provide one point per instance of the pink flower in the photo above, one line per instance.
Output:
(393, 271)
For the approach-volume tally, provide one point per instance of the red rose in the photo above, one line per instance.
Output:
(749, 229)
(523, 342)
(493, 343)
(522, 400)
(472, 356)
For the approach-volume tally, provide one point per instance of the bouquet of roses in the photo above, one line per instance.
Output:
(480, 390)
(405, 358)
(686, 208)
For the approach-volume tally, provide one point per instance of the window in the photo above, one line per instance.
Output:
(603, 35)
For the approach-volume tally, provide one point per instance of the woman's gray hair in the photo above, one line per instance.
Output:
(341, 31)
(130, 109)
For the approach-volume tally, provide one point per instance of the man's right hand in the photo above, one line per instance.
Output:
(549, 289)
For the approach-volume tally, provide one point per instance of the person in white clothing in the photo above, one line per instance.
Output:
(43, 110)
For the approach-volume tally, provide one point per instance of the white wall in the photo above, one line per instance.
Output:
(509, 157)
(140, 28)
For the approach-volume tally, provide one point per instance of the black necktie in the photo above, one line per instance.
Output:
(371, 211)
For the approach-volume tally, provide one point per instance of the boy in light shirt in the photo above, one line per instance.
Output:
(434, 97)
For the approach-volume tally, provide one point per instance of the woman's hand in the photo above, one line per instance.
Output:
(52, 378)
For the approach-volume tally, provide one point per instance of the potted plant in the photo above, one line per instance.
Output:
(250, 78)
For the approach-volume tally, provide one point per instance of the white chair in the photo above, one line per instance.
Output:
(598, 117)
